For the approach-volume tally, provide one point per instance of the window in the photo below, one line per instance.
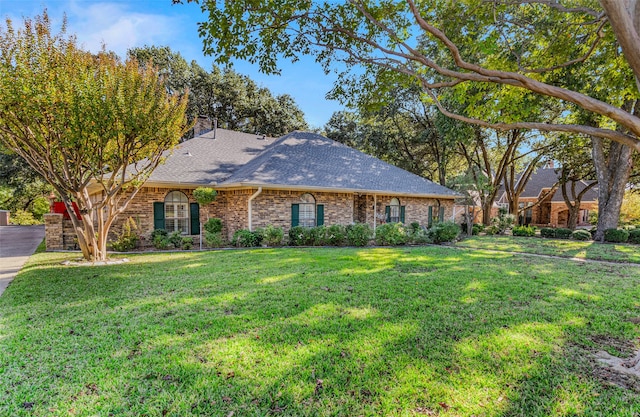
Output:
(176, 212)
(584, 216)
(307, 211)
(394, 211)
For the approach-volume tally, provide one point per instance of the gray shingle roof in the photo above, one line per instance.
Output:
(299, 160)
(546, 178)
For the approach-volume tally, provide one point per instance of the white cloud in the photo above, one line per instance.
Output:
(117, 26)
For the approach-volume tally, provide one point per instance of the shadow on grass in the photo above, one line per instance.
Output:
(315, 332)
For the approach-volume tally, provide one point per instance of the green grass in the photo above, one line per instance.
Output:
(317, 332)
(557, 247)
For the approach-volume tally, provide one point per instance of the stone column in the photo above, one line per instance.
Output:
(53, 231)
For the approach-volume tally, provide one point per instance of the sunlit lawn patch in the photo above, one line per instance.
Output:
(557, 247)
(407, 331)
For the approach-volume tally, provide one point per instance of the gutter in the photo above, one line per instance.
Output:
(254, 195)
(375, 213)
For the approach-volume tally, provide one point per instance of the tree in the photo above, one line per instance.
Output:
(90, 125)
(569, 55)
(234, 100)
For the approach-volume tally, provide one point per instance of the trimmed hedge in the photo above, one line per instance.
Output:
(391, 234)
(548, 232)
(562, 233)
(244, 238)
(581, 234)
(527, 231)
(634, 236)
(444, 232)
(616, 235)
(358, 234)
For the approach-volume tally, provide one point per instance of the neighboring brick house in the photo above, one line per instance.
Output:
(547, 207)
(299, 179)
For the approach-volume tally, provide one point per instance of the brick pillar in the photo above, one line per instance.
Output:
(53, 231)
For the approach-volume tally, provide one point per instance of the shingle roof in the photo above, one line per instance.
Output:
(299, 160)
(546, 178)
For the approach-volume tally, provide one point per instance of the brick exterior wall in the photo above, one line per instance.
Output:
(269, 207)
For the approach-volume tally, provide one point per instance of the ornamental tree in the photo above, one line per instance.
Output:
(92, 126)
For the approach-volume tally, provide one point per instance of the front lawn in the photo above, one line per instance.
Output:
(318, 332)
(615, 252)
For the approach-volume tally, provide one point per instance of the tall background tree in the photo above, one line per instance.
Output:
(497, 49)
(90, 125)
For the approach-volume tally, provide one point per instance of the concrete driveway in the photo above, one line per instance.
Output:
(17, 243)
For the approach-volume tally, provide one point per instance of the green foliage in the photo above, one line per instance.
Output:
(563, 233)
(187, 242)
(523, 231)
(102, 115)
(616, 235)
(128, 239)
(175, 238)
(477, 228)
(204, 195)
(336, 235)
(297, 236)
(244, 238)
(391, 234)
(581, 234)
(358, 234)
(443, 232)
(213, 225)
(23, 218)
(634, 236)
(160, 239)
(213, 240)
(273, 235)
(501, 223)
(548, 232)
(315, 236)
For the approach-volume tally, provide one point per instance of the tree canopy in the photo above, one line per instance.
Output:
(92, 126)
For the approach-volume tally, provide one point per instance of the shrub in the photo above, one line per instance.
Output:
(273, 235)
(391, 234)
(502, 222)
(128, 238)
(562, 233)
(634, 236)
(213, 240)
(160, 239)
(244, 238)
(336, 235)
(213, 225)
(187, 242)
(175, 238)
(581, 234)
(523, 231)
(23, 218)
(358, 234)
(444, 232)
(315, 236)
(477, 228)
(491, 230)
(548, 232)
(297, 236)
(204, 195)
(616, 235)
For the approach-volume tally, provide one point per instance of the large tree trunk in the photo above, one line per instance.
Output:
(613, 173)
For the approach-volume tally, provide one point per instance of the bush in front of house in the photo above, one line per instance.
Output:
(187, 242)
(548, 232)
(391, 234)
(581, 234)
(503, 222)
(128, 239)
(634, 236)
(297, 236)
(444, 232)
(358, 234)
(616, 235)
(160, 239)
(273, 235)
(526, 231)
(316, 236)
(562, 233)
(336, 235)
(213, 232)
(244, 238)
(213, 225)
(175, 238)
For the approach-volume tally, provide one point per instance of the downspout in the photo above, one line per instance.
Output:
(375, 212)
(254, 195)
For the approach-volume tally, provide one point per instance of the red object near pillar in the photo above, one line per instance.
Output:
(60, 208)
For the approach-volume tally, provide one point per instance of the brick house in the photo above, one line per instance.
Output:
(546, 206)
(299, 179)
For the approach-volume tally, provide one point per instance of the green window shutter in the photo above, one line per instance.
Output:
(195, 218)
(430, 219)
(402, 214)
(319, 214)
(387, 212)
(441, 214)
(158, 215)
(295, 215)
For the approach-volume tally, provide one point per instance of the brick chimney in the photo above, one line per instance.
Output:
(202, 126)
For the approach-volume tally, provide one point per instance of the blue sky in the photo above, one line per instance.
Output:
(124, 24)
